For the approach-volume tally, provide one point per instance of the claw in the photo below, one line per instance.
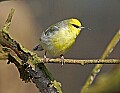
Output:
(62, 59)
(44, 60)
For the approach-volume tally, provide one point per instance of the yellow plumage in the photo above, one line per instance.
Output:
(59, 38)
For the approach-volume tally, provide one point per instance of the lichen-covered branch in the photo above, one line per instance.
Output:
(73, 61)
(84, 62)
(28, 63)
(98, 67)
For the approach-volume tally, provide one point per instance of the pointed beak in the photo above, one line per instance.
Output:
(82, 27)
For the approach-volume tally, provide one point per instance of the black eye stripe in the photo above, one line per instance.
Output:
(75, 26)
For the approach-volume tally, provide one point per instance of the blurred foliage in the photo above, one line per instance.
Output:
(107, 83)
(98, 67)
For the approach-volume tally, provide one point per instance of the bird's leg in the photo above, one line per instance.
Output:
(62, 59)
(44, 60)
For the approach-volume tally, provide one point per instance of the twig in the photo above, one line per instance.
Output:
(98, 67)
(107, 82)
(84, 62)
(73, 61)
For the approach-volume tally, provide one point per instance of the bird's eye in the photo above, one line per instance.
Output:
(76, 26)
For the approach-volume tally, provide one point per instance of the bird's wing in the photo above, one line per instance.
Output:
(51, 30)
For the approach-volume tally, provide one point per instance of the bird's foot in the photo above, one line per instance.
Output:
(44, 59)
(62, 60)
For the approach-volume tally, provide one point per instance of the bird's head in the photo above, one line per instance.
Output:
(75, 25)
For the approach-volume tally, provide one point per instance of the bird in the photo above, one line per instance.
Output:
(59, 37)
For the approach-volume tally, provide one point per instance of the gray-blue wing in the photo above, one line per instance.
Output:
(51, 30)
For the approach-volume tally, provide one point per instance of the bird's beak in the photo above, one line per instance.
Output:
(82, 27)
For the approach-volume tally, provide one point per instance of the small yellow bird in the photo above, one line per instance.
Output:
(59, 38)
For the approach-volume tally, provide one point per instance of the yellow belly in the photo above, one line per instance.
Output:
(59, 43)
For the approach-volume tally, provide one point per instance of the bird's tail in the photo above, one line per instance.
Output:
(38, 48)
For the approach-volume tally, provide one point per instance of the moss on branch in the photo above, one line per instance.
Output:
(28, 64)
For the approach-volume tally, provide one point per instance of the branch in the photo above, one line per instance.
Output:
(98, 67)
(84, 62)
(107, 82)
(28, 63)
(72, 61)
